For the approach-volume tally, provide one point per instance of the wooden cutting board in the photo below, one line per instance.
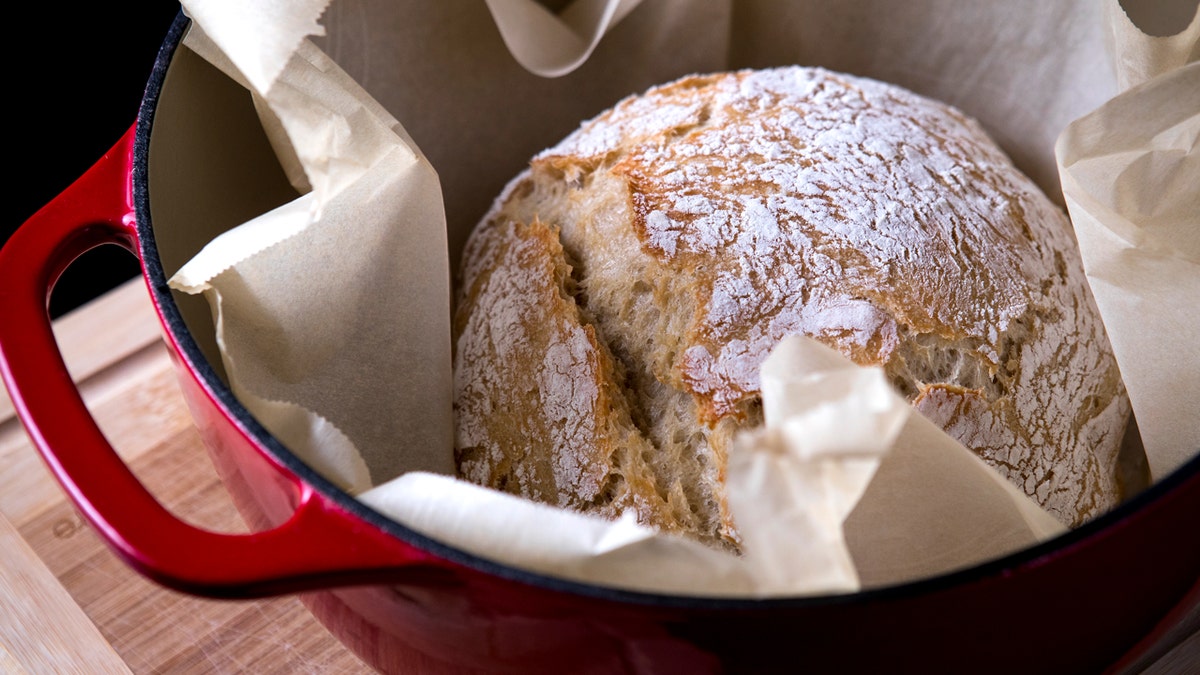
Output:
(68, 605)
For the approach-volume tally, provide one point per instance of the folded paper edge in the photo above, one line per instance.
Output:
(552, 45)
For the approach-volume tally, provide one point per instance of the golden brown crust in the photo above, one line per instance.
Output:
(538, 406)
(711, 217)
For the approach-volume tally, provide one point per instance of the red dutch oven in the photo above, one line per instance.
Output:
(1098, 598)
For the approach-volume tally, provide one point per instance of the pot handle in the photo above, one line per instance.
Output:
(320, 546)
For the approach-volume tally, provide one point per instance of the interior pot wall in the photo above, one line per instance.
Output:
(210, 168)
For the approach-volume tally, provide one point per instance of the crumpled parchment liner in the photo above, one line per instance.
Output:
(931, 507)
(260, 54)
(1131, 176)
(276, 280)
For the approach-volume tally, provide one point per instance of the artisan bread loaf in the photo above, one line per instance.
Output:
(615, 305)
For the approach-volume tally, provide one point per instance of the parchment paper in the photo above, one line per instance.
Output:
(1131, 176)
(313, 352)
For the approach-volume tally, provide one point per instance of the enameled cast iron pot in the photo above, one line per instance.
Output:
(1094, 599)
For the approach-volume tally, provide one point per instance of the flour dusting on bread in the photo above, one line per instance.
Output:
(705, 220)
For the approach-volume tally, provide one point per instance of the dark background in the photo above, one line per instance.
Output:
(76, 79)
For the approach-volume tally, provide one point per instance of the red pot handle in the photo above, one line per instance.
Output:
(320, 546)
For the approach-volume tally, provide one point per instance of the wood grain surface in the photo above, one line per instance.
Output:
(67, 605)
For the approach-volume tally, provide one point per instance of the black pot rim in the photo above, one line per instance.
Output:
(1041, 554)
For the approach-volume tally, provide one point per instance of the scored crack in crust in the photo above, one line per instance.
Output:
(549, 421)
(616, 303)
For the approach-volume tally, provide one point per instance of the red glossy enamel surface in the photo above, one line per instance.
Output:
(1077, 609)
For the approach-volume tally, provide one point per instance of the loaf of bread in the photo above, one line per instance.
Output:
(614, 306)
